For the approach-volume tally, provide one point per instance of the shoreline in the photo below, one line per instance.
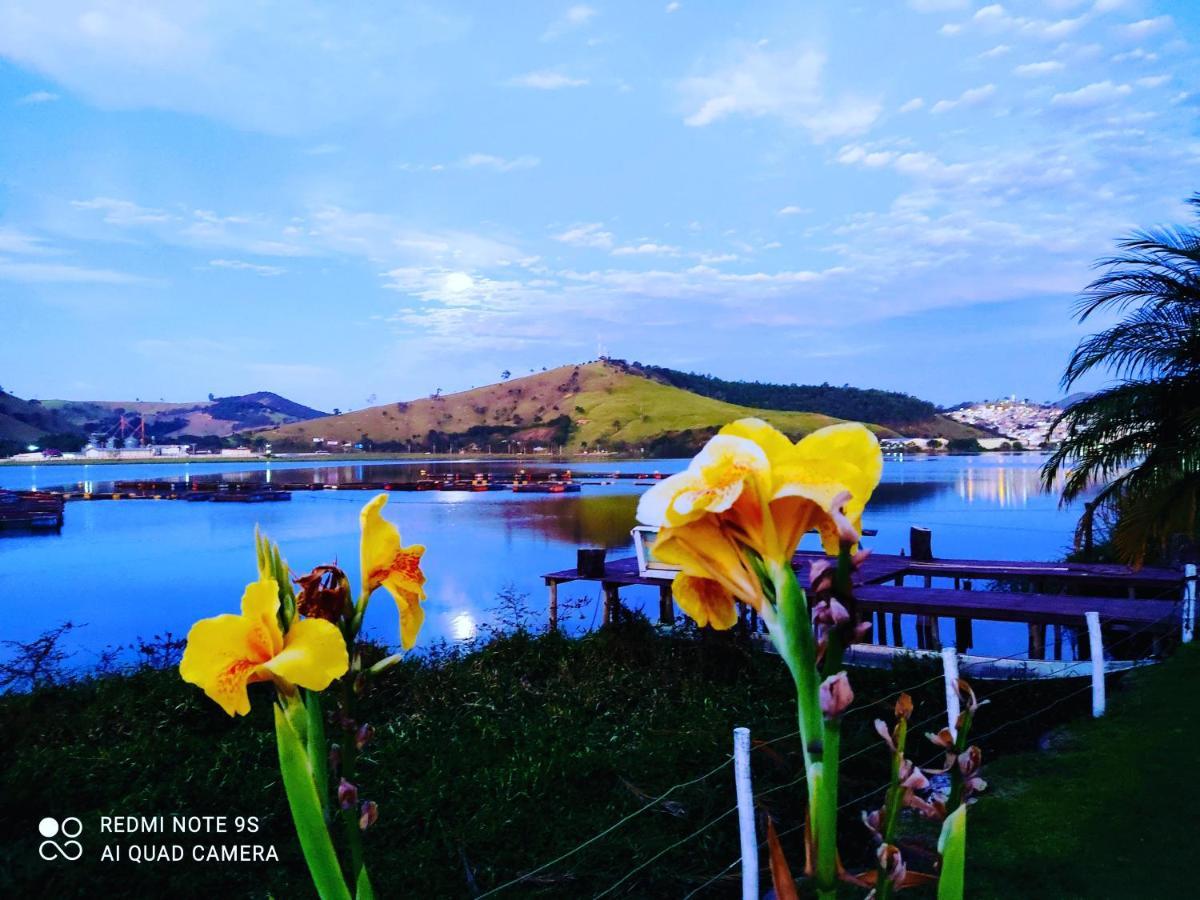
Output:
(333, 459)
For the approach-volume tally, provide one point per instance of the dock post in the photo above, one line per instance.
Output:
(1097, 644)
(897, 630)
(1189, 602)
(745, 808)
(881, 637)
(612, 602)
(553, 588)
(666, 605)
(1037, 640)
(950, 671)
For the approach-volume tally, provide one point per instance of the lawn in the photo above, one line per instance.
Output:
(1106, 809)
(485, 766)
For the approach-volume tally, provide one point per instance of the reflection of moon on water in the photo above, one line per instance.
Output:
(462, 626)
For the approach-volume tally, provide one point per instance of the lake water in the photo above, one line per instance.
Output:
(140, 567)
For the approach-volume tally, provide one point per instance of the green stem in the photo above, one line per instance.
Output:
(305, 804)
(794, 640)
(349, 758)
(891, 808)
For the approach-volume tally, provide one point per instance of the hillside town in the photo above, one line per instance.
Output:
(1026, 422)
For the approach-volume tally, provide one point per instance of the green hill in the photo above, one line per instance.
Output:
(904, 413)
(599, 405)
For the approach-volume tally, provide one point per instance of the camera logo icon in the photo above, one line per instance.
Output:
(69, 828)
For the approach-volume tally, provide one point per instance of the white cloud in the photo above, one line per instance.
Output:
(123, 212)
(242, 266)
(21, 243)
(912, 105)
(1153, 81)
(574, 18)
(792, 211)
(546, 80)
(968, 98)
(997, 51)
(674, 6)
(786, 85)
(872, 159)
(1037, 69)
(1100, 93)
(499, 163)
(1136, 54)
(37, 97)
(1144, 28)
(31, 272)
(277, 66)
(586, 235)
(646, 249)
(995, 17)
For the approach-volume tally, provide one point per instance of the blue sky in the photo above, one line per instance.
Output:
(339, 202)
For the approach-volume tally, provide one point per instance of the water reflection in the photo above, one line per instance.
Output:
(986, 506)
(580, 520)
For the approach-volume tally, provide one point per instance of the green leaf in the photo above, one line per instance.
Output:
(364, 890)
(310, 825)
(952, 844)
(318, 754)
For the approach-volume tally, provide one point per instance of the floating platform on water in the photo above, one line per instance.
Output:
(40, 511)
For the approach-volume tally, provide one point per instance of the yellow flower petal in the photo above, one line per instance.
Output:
(387, 564)
(222, 656)
(412, 615)
(653, 505)
(854, 447)
(705, 600)
(379, 543)
(260, 604)
(703, 550)
(774, 443)
(314, 653)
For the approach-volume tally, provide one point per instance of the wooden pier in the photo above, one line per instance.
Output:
(1039, 594)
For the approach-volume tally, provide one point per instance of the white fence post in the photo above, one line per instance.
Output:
(1189, 602)
(745, 805)
(1097, 645)
(950, 669)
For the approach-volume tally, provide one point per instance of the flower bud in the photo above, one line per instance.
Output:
(847, 533)
(836, 695)
(347, 794)
(363, 735)
(335, 756)
(368, 813)
(324, 593)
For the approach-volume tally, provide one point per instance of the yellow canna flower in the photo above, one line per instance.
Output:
(752, 489)
(385, 563)
(705, 600)
(228, 652)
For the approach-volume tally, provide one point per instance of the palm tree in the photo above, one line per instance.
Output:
(1139, 438)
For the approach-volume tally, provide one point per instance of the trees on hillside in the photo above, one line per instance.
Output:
(1139, 438)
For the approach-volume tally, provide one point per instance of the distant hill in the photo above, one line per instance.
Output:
(595, 405)
(903, 413)
(25, 421)
(216, 418)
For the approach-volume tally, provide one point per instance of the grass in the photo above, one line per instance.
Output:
(485, 765)
(1107, 809)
